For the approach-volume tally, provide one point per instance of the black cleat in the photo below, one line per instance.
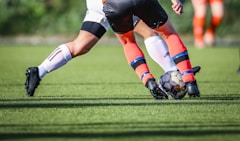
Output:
(196, 69)
(154, 89)
(192, 89)
(32, 80)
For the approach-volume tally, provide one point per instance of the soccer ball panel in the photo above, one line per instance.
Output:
(171, 82)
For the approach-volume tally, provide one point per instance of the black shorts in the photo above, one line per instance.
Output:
(120, 13)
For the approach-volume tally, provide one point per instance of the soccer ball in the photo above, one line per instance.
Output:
(171, 82)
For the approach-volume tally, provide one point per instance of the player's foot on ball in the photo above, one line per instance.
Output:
(154, 89)
(192, 89)
(32, 80)
(196, 69)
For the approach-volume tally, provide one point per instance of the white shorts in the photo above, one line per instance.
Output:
(95, 14)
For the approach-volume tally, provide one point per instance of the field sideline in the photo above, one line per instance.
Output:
(99, 97)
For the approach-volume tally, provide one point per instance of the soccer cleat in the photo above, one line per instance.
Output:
(192, 89)
(32, 80)
(154, 89)
(196, 69)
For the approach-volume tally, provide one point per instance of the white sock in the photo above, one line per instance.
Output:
(59, 57)
(158, 51)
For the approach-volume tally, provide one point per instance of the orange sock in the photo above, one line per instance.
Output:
(198, 27)
(214, 24)
(136, 59)
(212, 1)
(180, 56)
(215, 20)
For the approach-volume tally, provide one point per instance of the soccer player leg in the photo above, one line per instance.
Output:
(123, 27)
(89, 35)
(200, 10)
(179, 54)
(60, 56)
(136, 59)
(155, 45)
(65, 52)
(217, 9)
(158, 51)
(93, 28)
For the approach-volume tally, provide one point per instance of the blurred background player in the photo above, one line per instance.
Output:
(119, 15)
(200, 13)
(93, 28)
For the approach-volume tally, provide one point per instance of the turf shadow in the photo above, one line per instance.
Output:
(96, 102)
(128, 134)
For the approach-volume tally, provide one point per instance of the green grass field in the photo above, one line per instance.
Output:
(99, 97)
